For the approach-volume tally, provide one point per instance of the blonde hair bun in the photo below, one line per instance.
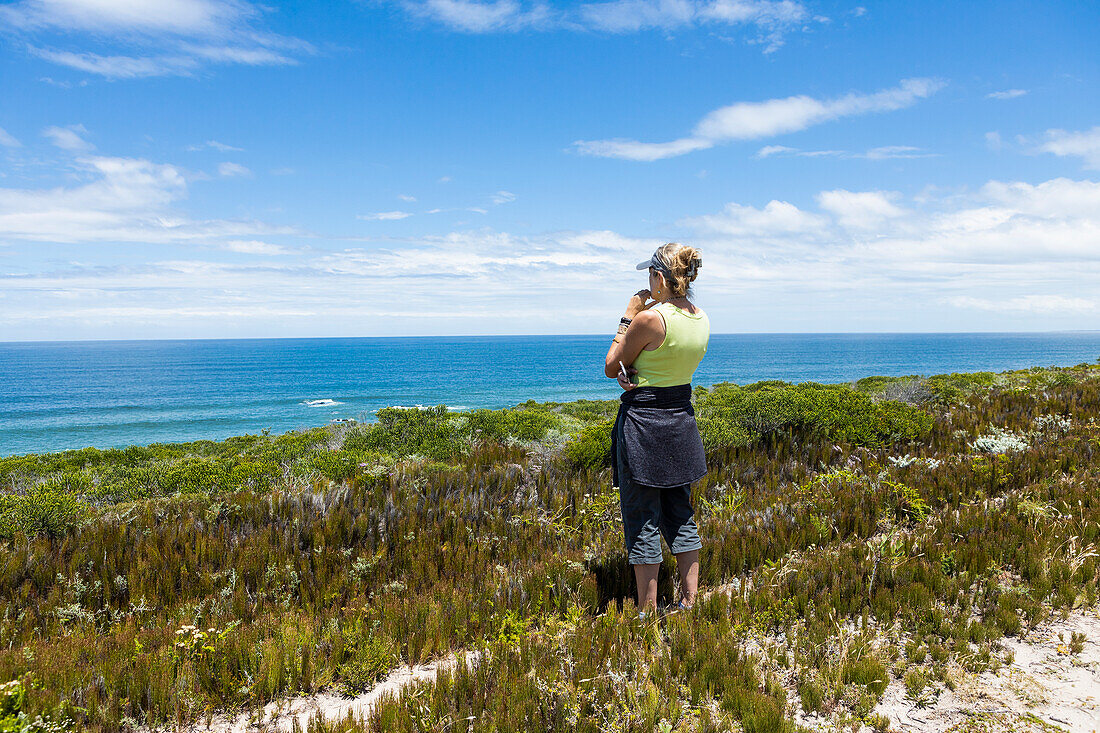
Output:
(684, 263)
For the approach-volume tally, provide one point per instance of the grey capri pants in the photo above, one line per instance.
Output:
(655, 438)
(650, 512)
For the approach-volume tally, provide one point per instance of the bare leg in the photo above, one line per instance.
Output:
(688, 565)
(646, 577)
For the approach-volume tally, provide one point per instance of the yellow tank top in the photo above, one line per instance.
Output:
(675, 360)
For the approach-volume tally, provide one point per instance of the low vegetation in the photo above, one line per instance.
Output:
(891, 529)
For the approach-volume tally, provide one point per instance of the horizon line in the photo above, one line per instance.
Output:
(531, 335)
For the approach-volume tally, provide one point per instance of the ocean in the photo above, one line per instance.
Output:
(61, 395)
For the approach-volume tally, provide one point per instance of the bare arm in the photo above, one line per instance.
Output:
(645, 329)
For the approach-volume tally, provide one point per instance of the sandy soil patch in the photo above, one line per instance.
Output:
(279, 717)
(1046, 688)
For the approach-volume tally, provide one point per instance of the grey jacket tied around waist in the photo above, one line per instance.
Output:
(655, 441)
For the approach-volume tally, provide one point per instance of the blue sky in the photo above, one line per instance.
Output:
(219, 168)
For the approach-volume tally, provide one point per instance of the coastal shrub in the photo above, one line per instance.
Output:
(868, 672)
(44, 510)
(583, 410)
(335, 465)
(998, 440)
(501, 424)
(951, 388)
(727, 412)
(368, 657)
(592, 448)
(428, 431)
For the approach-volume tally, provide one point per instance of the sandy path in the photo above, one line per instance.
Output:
(280, 716)
(1044, 681)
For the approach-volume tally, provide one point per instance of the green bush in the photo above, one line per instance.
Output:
(43, 510)
(592, 448)
(368, 658)
(428, 431)
(502, 424)
(869, 672)
(732, 415)
(337, 465)
(950, 388)
(13, 700)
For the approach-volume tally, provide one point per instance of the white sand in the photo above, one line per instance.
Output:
(279, 717)
(1044, 681)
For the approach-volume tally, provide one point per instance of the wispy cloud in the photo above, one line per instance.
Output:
(752, 120)
(470, 16)
(771, 19)
(174, 38)
(406, 197)
(1084, 145)
(886, 152)
(503, 197)
(69, 138)
(385, 216)
(1039, 304)
(233, 170)
(257, 247)
(1007, 94)
(891, 152)
(215, 145)
(7, 140)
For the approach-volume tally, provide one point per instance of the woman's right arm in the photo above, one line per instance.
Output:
(645, 328)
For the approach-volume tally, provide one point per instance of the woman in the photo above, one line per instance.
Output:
(656, 448)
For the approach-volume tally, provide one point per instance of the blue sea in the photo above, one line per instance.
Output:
(60, 395)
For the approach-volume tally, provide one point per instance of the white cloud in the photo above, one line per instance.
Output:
(232, 170)
(406, 197)
(634, 150)
(1084, 144)
(163, 38)
(503, 197)
(751, 120)
(993, 141)
(69, 138)
(991, 243)
(215, 145)
(886, 152)
(1009, 255)
(890, 152)
(1007, 94)
(777, 217)
(256, 247)
(1058, 198)
(181, 17)
(7, 140)
(471, 16)
(119, 67)
(772, 19)
(385, 216)
(1040, 304)
(860, 210)
(121, 200)
(770, 150)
